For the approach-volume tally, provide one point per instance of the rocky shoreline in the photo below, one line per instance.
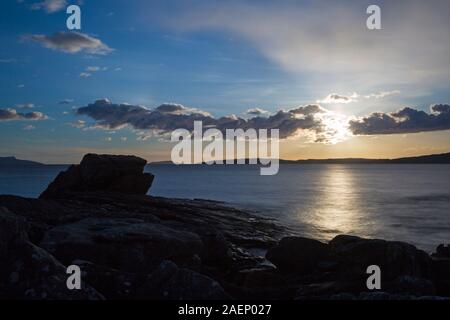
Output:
(132, 246)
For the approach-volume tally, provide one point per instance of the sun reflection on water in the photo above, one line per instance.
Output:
(336, 208)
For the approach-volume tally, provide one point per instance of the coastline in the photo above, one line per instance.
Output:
(133, 246)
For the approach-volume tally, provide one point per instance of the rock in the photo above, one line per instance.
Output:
(442, 251)
(108, 173)
(411, 285)
(394, 258)
(112, 283)
(168, 282)
(130, 245)
(298, 255)
(12, 228)
(326, 289)
(262, 278)
(29, 272)
(217, 251)
(441, 270)
(33, 274)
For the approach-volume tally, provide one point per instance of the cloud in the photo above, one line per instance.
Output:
(406, 120)
(330, 39)
(50, 6)
(29, 127)
(78, 124)
(25, 106)
(382, 94)
(71, 42)
(7, 60)
(12, 114)
(92, 69)
(66, 101)
(169, 116)
(256, 111)
(337, 98)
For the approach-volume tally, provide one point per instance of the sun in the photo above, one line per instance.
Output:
(335, 127)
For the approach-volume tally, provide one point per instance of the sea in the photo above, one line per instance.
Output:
(404, 202)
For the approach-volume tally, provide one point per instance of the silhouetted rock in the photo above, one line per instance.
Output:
(394, 258)
(442, 251)
(262, 278)
(29, 272)
(298, 255)
(12, 228)
(217, 250)
(112, 283)
(168, 282)
(110, 173)
(441, 269)
(411, 285)
(130, 245)
(34, 274)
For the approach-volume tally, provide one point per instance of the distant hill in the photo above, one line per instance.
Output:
(160, 162)
(434, 158)
(14, 162)
(443, 158)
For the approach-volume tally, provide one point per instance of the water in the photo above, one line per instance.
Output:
(398, 202)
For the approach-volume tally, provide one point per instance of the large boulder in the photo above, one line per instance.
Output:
(32, 273)
(29, 272)
(112, 283)
(394, 258)
(131, 245)
(169, 282)
(441, 269)
(12, 228)
(298, 255)
(109, 173)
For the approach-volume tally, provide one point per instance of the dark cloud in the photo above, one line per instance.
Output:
(70, 42)
(406, 120)
(12, 114)
(169, 117)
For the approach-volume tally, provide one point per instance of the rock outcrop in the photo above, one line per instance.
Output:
(123, 174)
(29, 272)
(393, 257)
(130, 245)
(298, 255)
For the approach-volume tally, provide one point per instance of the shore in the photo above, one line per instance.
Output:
(133, 246)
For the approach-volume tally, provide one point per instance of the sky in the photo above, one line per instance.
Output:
(139, 69)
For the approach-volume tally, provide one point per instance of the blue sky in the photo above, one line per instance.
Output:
(222, 58)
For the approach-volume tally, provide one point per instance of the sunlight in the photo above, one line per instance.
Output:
(337, 211)
(336, 128)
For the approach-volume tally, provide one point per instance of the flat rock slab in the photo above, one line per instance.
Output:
(126, 244)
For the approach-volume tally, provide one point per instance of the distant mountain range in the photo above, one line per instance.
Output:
(14, 162)
(443, 158)
(434, 158)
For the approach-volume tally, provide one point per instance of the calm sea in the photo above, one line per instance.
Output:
(399, 202)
